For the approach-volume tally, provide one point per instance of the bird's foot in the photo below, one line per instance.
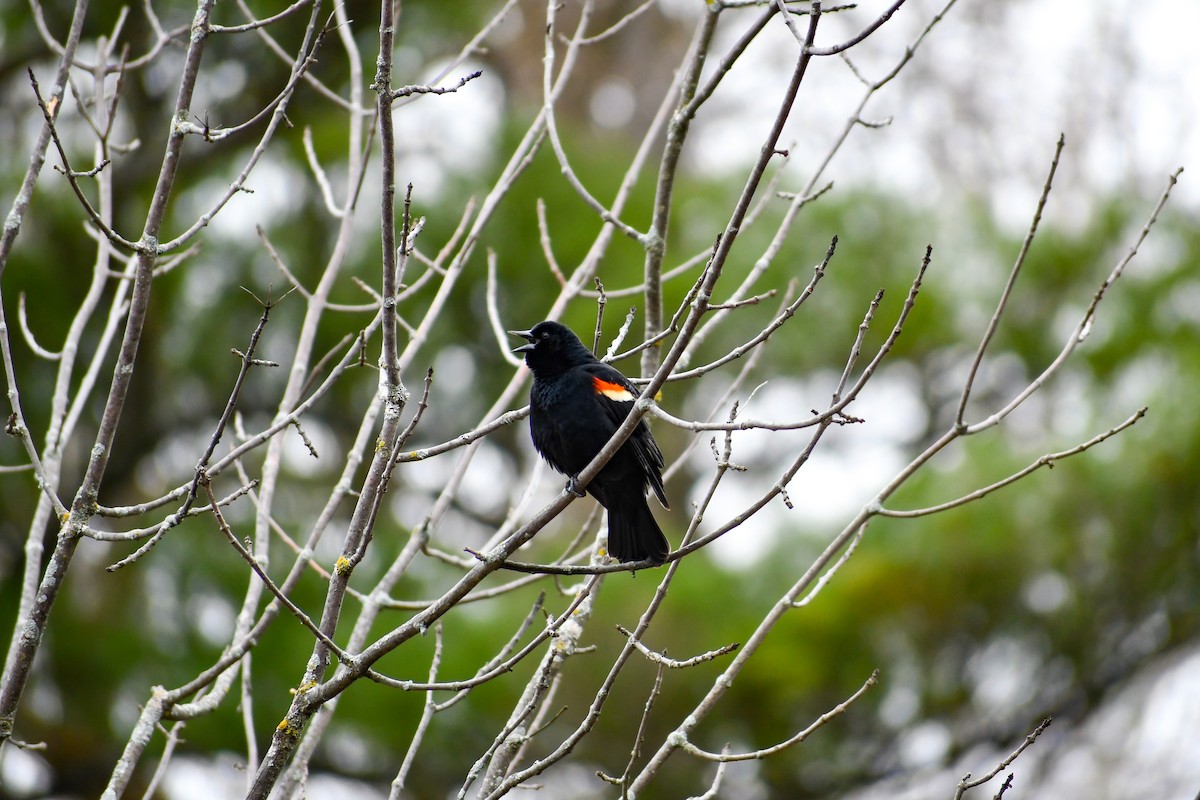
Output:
(573, 486)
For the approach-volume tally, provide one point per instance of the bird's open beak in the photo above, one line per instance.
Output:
(528, 336)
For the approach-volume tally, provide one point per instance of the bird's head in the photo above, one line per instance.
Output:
(551, 348)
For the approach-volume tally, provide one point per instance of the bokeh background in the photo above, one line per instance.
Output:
(1073, 594)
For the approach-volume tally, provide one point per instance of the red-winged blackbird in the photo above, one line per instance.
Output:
(576, 404)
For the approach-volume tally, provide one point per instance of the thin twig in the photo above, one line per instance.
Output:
(1002, 303)
(662, 660)
(249, 558)
(765, 752)
(201, 471)
(1048, 460)
(405, 91)
(966, 783)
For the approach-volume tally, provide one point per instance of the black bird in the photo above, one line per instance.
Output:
(576, 404)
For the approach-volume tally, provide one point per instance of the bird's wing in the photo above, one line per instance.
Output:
(616, 395)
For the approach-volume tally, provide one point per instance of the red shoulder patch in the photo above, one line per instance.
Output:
(613, 391)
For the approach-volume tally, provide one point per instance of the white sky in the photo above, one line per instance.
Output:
(1121, 82)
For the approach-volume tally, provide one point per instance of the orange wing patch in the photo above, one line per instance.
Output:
(613, 391)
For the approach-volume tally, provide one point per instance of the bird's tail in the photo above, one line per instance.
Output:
(634, 535)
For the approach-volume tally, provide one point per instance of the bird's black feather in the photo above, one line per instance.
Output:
(576, 404)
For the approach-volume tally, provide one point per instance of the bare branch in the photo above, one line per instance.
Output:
(1085, 323)
(662, 660)
(640, 737)
(1048, 460)
(405, 91)
(765, 752)
(201, 472)
(427, 712)
(261, 23)
(966, 783)
(25, 645)
(1008, 287)
(29, 335)
(72, 176)
(249, 558)
(606, 214)
(846, 45)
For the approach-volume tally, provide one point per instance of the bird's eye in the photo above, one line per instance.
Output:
(545, 335)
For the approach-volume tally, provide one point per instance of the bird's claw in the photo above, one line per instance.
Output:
(573, 486)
